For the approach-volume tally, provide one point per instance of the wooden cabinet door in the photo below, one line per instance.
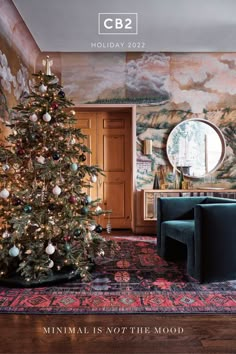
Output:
(109, 138)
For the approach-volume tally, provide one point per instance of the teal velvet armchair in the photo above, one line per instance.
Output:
(203, 229)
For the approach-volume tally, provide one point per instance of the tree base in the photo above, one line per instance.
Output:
(16, 281)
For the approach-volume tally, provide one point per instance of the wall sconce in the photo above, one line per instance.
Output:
(147, 147)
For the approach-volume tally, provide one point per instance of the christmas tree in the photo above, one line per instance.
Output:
(49, 223)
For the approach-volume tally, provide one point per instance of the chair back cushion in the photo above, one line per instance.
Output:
(177, 208)
(216, 200)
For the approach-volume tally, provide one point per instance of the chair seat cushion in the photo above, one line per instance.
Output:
(181, 230)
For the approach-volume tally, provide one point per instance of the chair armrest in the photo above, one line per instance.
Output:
(175, 208)
(215, 238)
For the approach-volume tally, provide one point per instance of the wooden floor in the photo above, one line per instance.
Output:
(117, 334)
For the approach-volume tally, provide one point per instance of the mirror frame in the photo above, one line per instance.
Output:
(222, 139)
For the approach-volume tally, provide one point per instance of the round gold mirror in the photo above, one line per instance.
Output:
(196, 146)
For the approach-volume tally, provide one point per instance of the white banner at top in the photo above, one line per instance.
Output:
(131, 25)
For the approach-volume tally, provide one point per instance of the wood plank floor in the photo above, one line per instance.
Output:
(117, 334)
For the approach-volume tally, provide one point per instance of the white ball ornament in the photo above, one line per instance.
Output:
(5, 234)
(14, 251)
(41, 159)
(51, 264)
(98, 209)
(101, 253)
(93, 178)
(33, 118)
(56, 190)
(88, 199)
(5, 167)
(88, 236)
(47, 117)
(91, 227)
(4, 193)
(42, 88)
(50, 249)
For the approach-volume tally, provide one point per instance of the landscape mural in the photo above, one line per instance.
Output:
(15, 81)
(167, 89)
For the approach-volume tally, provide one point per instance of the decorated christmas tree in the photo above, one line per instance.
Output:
(49, 223)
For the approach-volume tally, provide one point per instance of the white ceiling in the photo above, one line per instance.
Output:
(165, 25)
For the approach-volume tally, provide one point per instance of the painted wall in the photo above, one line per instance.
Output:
(167, 88)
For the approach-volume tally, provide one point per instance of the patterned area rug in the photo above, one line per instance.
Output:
(137, 280)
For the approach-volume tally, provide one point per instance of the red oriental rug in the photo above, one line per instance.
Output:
(136, 280)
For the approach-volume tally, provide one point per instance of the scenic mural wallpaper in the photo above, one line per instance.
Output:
(167, 88)
(15, 80)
